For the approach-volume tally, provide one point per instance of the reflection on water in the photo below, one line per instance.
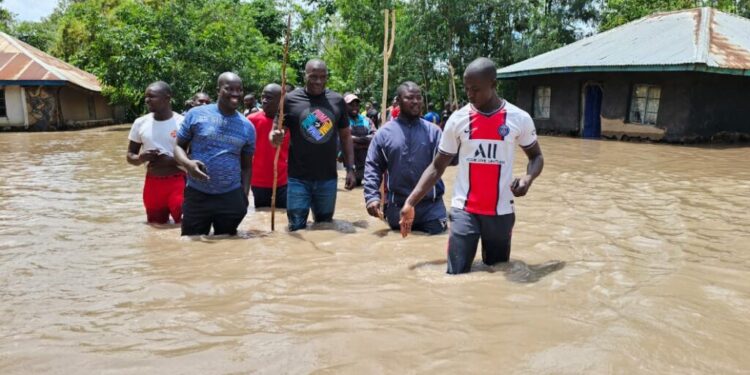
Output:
(627, 258)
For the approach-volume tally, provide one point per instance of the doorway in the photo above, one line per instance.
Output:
(592, 111)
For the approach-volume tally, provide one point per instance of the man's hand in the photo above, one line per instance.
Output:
(351, 180)
(373, 208)
(407, 219)
(276, 137)
(148, 155)
(197, 170)
(520, 186)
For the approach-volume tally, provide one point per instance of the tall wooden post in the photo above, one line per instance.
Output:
(389, 36)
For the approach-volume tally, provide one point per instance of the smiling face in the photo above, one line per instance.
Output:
(316, 77)
(230, 93)
(353, 108)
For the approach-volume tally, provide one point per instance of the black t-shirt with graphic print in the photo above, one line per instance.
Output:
(314, 122)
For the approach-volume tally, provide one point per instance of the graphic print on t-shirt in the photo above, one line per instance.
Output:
(317, 126)
(485, 163)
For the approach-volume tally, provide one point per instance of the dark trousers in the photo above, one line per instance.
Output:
(429, 217)
(224, 212)
(262, 196)
(466, 231)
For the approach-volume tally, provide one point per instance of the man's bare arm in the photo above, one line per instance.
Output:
(520, 186)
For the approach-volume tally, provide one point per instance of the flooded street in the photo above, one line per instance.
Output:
(627, 258)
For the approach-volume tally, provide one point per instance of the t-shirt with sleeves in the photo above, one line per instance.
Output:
(156, 135)
(485, 144)
(313, 122)
(265, 153)
(218, 141)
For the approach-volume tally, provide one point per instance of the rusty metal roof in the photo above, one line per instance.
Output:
(21, 63)
(700, 39)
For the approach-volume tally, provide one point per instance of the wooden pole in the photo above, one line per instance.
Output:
(453, 94)
(389, 34)
(280, 124)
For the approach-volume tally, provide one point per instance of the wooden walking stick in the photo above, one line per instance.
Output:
(280, 124)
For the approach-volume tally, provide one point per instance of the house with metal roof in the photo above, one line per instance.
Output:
(676, 76)
(40, 92)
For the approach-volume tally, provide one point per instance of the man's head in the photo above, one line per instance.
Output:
(431, 107)
(158, 97)
(480, 81)
(409, 99)
(249, 101)
(201, 98)
(270, 98)
(229, 86)
(352, 104)
(316, 77)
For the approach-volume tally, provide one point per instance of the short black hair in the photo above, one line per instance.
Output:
(483, 67)
(406, 86)
(227, 77)
(161, 86)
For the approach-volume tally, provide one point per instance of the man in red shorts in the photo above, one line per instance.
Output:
(262, 179)
(152, 140)
(484, 135)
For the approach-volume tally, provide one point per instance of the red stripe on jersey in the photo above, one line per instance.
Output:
(484, 178)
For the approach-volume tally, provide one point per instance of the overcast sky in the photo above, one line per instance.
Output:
(30, 10)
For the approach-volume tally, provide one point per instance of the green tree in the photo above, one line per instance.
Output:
(187, 43)
(6, 18)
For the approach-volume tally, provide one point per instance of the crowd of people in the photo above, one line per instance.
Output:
(202, 164)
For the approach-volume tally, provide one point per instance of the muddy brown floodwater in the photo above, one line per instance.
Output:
(627, 258)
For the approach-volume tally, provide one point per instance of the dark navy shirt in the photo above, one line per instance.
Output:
(404, 150)
(218, 141)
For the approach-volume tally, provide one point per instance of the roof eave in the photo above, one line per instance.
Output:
(628, 69)
(32, 82)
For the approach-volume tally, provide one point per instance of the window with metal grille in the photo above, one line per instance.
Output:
(542, 95)
(3, 109)
(644, 105)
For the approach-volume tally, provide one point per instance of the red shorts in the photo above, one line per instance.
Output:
(162, 196)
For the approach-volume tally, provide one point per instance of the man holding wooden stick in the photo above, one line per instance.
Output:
(315, 117)
(263, 161)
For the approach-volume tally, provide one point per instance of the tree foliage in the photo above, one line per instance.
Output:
(130, 43)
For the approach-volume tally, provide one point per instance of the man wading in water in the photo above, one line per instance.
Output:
(403, 149)
(484, 135)
(262, 181)
(221, 142)
(156, 133)
(315, 117)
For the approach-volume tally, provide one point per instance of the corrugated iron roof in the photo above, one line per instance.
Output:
(22, 62)
(700, 39)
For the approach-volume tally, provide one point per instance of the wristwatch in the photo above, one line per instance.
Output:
(350, 168)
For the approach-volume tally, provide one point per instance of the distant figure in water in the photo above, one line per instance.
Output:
(152, 141)
(484, 135)
(221, 142)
